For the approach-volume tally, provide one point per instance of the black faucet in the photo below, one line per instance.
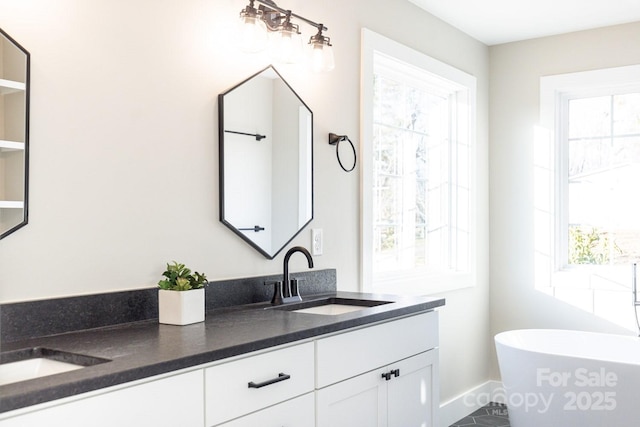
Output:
(293, 295)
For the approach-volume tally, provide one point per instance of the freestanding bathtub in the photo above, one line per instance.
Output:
(559, 378)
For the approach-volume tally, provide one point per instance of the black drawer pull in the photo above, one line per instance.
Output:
(281, 377)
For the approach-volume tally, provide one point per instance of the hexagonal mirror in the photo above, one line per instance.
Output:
(14, 134)
(266, 161)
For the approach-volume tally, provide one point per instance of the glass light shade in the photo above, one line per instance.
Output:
(321, 57)
(252, 35)
(286, 45)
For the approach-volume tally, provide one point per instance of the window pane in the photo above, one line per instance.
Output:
(627, 248)
(586, 156)
(385, 247)
(387, 151)
(387, 197)
(388, 98)
(603, 211)
(589, 245)
(627, 114)
(590, 117)
(423, 105)
(625, 150)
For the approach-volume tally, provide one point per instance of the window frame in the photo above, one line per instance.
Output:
(414, 281)
(553, 274)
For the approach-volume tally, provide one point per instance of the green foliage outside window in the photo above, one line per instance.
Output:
(590, 247)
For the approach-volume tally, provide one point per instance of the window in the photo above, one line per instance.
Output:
(417, 189)
(601, 139)
(587, 166)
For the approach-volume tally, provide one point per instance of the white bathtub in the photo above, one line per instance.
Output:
(558, 378)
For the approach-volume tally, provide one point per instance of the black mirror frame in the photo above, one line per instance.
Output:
(221, 132)
(25, 217)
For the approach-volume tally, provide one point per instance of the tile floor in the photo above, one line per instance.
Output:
(492, 415)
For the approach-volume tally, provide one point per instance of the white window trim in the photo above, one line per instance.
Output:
(413, 283)
(550, 266)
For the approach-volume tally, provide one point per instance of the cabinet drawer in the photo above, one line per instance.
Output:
(166, 402)
(274, 377)
(298, 412)
(346, 355)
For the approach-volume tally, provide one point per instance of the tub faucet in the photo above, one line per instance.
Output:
(634, 283)
(634, 293)
(293, 294)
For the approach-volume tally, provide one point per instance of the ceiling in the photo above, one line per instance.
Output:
(503, 21)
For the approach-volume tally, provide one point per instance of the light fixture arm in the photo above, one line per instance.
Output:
(269, 4)
(250, 10)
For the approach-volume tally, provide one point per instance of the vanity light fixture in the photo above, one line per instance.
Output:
(271, 24)
(253, 30)
(321, 53)
(286, 42)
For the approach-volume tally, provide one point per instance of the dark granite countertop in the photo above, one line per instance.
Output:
(143, 349)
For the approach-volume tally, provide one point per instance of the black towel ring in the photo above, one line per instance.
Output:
(335, 140)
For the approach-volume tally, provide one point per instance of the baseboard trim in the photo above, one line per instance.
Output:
(470, 401)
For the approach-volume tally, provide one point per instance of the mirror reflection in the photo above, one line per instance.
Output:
(266, 161)
(14, 134)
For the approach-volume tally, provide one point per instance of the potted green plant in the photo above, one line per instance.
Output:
(181, 295)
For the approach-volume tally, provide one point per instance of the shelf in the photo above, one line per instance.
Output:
(10, 86)
(11, 145)
(10, 204)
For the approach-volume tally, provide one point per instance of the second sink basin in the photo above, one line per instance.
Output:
(331, 306)
(33, 368)
(31, 363)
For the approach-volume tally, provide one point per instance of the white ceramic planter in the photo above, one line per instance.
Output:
(181, 307)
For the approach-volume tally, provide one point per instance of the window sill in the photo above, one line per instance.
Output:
(411, 283)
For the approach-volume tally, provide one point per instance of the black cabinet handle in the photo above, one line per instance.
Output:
(281, 377)
(394, 372)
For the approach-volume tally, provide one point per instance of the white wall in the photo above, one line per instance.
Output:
(124, 173)
(516, 69)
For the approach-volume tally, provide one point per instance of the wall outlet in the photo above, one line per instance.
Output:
(316, 241)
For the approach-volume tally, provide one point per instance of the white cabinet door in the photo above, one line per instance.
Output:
(407, 399)
(358, 402)
(168, 402)
(298, 412)
(413, 394)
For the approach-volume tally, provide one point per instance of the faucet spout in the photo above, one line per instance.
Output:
(286, 281)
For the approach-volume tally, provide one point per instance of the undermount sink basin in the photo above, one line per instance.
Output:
(332, 306)
(331, 309)
(28, 364)
(33, 368)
